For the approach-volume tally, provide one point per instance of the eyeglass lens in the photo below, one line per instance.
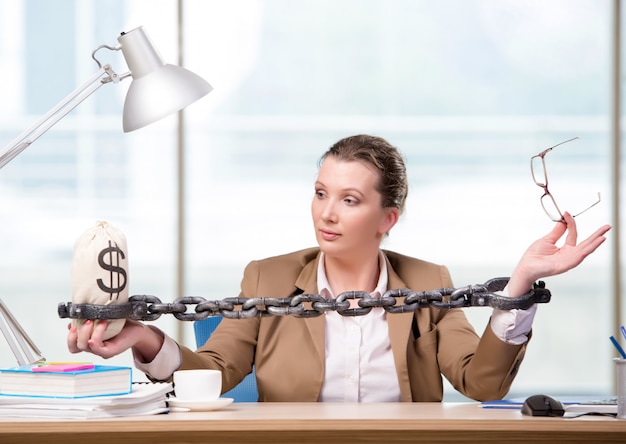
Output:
(538, 170)
(551, 208)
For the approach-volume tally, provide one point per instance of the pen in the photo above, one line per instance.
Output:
(618, 347)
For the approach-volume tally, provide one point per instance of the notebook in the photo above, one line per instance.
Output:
(591, 405)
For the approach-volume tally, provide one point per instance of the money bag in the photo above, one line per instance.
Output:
(100, 271)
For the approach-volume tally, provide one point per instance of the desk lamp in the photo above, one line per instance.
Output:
(157, 90)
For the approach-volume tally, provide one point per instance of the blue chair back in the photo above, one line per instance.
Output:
(246, 390)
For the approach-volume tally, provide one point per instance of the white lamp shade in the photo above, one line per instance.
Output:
(157, 89)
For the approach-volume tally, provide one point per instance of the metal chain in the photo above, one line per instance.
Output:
(150, 308)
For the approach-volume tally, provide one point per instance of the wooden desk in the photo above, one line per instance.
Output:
(327, 423)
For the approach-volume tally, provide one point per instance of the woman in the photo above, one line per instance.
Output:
(360, 192)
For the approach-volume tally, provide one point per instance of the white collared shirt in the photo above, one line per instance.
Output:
(359, 360)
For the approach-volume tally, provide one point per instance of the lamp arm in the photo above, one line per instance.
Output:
(24, 349)
(104, 75)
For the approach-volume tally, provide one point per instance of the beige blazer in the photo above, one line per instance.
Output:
(289, 352)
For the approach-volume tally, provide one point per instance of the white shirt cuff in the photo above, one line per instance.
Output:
(165, 363)
(513, 326)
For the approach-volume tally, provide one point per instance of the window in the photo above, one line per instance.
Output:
(469, 91)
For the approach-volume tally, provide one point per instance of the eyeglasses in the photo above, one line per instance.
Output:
(540, 176)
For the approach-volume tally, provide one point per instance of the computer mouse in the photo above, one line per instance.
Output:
(542, 405)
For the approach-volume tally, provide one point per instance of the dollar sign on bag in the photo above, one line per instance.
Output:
(117, 275)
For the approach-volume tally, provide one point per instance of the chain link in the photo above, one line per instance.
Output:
(150, 308)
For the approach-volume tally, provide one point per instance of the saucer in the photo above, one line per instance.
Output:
(199, 406)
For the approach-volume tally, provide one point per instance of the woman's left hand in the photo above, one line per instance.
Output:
(544, 258)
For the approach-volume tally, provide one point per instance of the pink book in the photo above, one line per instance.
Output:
(63, 367)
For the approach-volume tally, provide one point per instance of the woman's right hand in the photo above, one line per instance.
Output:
(144, 341)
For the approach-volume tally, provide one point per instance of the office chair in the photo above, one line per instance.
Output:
(246, 390)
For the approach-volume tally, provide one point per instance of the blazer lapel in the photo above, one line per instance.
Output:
(399, 325)
(307, 282)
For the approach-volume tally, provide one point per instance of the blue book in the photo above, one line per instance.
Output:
(65, 382)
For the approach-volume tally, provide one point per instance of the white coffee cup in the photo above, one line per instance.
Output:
(197, 385)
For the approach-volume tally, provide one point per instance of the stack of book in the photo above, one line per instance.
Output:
(78, 391)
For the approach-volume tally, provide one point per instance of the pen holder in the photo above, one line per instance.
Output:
(621, 387)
